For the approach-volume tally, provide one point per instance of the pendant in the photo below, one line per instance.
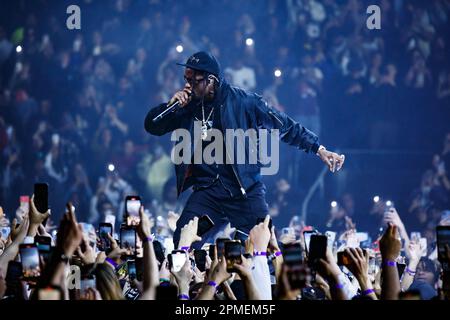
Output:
(204, 129)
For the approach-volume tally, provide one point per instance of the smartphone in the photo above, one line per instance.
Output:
(103, 230)
(317, 249)
(44, 245)
(241, 236)
(131, 267)
(259, 220)
(292, 254)
(177, 259)
(307, 236)
(128, 239)
(86, 283)
(443, 239)
(204, 225)
(401, 268)
(50, 293)
(211, 251)
(25, 202)
(220, 245)
(29, 256)
(139, 269)
(296, 271)
(200, 259)
(233, 251)
(159, 251)
(41, 198)
(132, 206)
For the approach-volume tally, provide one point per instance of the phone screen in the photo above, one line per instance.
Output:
(44, 245)
(133, 204)
(307, 236)
(200, 259)
(220, 244)
(49, 293)
(292, 254)
(128, 239)
(233, 251)
(317, 249)
(87, 283)
(204, 225)
(131, 264)
(41, 197)
(177, 259)
(211, 251)
(159, 251)
(103, 231)
(29, 256)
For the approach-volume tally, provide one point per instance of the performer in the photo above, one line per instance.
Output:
(226, 192)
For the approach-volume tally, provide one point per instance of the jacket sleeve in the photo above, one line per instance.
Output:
(169, 123)
(291, 132)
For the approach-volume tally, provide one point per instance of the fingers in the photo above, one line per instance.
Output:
(341, 162)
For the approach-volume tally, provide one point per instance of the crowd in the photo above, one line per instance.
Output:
(298, 263)
(72, 105)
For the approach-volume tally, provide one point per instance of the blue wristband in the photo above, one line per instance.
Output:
(183, 297)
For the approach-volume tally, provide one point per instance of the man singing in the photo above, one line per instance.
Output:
(226, 191)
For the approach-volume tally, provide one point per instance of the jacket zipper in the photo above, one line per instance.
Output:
(275, 116)
(229, 158)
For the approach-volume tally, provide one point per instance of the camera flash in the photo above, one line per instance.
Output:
(277, 73)
(19, 49)
(389, 203)
(333, 204)
(376, 199)
(179, 48)
(111, 167)
(249, 42)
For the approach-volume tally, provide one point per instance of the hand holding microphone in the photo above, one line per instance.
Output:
(184, 97)
(180, 99)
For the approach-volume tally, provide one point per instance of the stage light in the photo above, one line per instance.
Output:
(111, 167)
(376, 199)
(19, 49)
(277, 73)
(179, 48)
(249, 42)
(333, 204)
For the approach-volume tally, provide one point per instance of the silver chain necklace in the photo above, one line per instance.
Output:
(204, 126)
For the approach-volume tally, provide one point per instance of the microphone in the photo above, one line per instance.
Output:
(171, 108)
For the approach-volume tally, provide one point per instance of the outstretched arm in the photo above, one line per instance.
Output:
(294, 134)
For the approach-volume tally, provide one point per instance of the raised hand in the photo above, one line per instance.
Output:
(188, 234)
(333, 160)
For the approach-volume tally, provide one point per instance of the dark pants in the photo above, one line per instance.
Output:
(216, 202)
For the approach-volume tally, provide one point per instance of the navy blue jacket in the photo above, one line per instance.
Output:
(239, 110)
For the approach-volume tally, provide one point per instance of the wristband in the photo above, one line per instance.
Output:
(368, 291)
(183, 297)
(277, 254)
(212, 284)
(339, 286)
(111, 262)
(259, 253)
(389, 263)
(411, 272)
(185, 248)
(148, 239)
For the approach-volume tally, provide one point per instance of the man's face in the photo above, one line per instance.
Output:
(199, 84)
